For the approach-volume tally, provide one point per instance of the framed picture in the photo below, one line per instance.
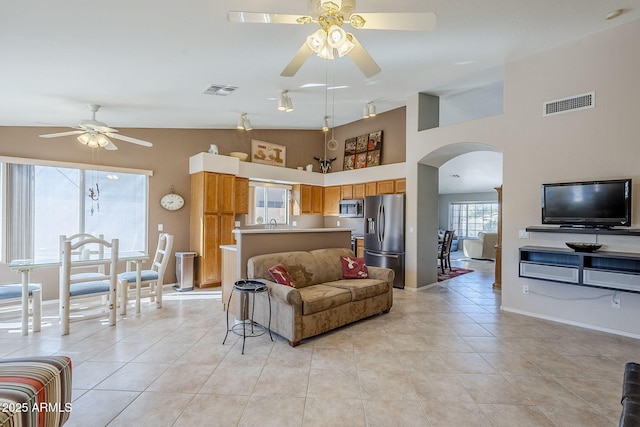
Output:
(268, 153)
(349, 162)
(363, 151)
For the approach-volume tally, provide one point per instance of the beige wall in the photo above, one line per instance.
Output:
(597, 143)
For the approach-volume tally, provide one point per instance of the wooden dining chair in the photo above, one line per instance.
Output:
(151, 280)
(89, 250)
(77, 286)
(444, 252)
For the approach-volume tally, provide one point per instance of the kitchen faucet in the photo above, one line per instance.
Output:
(273, 224)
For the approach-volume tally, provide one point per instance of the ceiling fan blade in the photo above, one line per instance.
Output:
(399, 21)
(55, 135)
(298, 59)
(362, 59)
(111, 146)
(261, 18)
(129, 139)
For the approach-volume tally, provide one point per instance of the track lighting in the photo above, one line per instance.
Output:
(243, 122)
(369, 110)
(325, 124)
(285, 103)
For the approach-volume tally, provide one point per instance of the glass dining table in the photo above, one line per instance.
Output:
(26, 266)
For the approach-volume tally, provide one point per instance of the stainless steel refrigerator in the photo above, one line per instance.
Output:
(384, 234)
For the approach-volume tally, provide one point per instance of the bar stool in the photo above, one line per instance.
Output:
(247, 290)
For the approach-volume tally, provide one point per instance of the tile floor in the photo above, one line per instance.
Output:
(445, 356)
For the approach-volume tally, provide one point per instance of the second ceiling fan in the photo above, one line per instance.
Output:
(331, 16)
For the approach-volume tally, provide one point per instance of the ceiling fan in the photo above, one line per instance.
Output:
(96, 134)
(331, 15)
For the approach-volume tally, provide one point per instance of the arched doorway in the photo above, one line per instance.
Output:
(428, 202)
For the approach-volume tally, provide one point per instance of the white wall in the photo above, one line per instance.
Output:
(597, 143)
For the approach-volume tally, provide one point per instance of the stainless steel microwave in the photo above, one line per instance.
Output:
(351, 208)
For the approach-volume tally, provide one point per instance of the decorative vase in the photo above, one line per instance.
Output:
(213, 149)
(309, 167)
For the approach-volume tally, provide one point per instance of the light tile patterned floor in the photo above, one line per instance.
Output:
(445, 356)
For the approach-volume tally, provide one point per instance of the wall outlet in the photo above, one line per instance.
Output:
(236, 224)
(160, 227)
(337, 223)
(615, 302)
(523, 234)
(294, 223)
(525, 289)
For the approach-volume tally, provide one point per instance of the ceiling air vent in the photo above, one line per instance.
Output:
(220, 90)
(578, 102)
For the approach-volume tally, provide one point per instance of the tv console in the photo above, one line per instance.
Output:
(618, 271)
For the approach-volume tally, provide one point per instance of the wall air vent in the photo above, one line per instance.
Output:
(578, 102)
(220, 90)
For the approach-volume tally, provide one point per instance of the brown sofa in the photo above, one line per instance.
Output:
(322, 300)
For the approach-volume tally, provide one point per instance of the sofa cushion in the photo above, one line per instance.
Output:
(353, 268)
(281, 275)
(362, 288)
(318, 298)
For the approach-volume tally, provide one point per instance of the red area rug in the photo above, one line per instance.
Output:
(454, 272)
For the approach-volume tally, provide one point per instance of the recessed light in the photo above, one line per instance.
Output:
(613, 14)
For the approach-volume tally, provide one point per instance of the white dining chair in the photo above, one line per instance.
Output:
(77, 286)
(151, 280)
(89, 250)
(11, 296)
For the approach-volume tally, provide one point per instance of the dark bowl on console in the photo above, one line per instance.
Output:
(584, 247)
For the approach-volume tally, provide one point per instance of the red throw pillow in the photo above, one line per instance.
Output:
(281, 275)
(354, 268)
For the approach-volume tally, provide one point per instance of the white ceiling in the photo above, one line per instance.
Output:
(148, 62)
(475, 172)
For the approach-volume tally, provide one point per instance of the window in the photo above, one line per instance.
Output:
(470, 218)
(44, 202)
(268, 202)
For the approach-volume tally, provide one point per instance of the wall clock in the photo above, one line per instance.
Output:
(172, 201)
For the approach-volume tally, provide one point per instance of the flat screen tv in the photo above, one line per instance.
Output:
(593, 204)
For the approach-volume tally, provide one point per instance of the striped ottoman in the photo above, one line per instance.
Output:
(35, 391)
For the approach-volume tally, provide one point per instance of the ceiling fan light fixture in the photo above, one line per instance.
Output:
(303, 20)
(325, 124)
(332, 6)
(336, 36)
(345, 48)
(288, 104)
(93, 142)
(282, 101)
(83, 139)
(326, 52)
(317, 40)
(247, 123)
(102, 140)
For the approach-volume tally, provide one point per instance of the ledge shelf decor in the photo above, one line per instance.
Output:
(268, 153)
(363, 151)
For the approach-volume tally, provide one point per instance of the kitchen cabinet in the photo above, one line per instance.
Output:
(317, 200)
(371, 189)
(358, 191)
(346, 192)
(385, 187)
(332, 200)
(401, 185)
(242, 196)
(211, 221)
(308, 199)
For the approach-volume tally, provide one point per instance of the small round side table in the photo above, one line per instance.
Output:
(247, 291)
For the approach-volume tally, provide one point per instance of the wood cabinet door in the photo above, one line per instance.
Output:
(211, 196)
(227, 196)
(306, 204)
(210, 257)
(386, 187)
(401, 185)
(317, 197)
(226, 229)
(360, 248)
(358, 191)
(331, 200)
(242, 195)
(371, 189)
(346, 192)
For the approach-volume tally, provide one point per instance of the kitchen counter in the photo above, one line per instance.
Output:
(257, 241)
